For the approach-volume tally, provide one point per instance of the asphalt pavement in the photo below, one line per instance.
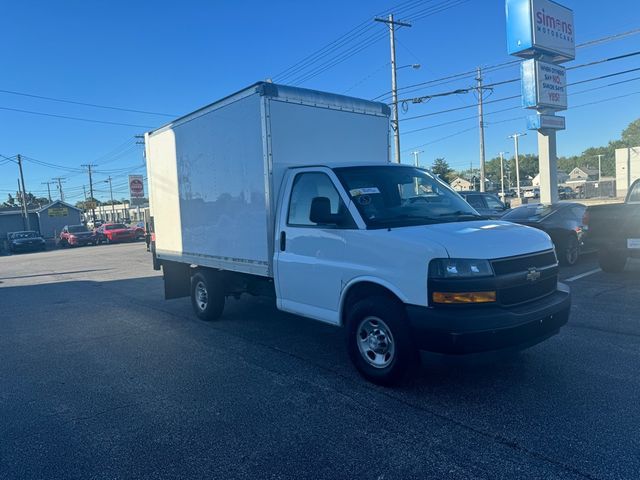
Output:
(101, 378)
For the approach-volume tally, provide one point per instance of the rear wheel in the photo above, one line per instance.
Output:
(570, 251)
(612, 261)
(379, 341)
(207, 296)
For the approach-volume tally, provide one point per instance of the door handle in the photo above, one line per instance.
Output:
(283, 241)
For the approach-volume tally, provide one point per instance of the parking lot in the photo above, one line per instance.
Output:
(102, 378)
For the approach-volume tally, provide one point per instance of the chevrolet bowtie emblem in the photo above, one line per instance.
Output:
(533, 275)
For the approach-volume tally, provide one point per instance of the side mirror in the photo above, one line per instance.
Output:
(321, 212)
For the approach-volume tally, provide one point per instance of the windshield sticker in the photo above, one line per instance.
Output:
(356, 192)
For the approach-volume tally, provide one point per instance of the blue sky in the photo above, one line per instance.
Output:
(173, 57)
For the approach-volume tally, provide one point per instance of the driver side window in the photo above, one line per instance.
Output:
(306, 187)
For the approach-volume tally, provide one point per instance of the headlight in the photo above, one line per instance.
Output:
(459, 268)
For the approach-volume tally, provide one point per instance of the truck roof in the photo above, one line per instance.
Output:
(287, 93)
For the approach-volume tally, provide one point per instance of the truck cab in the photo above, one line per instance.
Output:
(392, 254)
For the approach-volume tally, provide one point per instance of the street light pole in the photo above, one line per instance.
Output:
(599, 167)
(416, 155)
(515, 137)
(502, 173)
(113, 208)
(395, 123)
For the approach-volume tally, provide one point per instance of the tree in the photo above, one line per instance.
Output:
(631, 134)
(11, 201)
(441, 168)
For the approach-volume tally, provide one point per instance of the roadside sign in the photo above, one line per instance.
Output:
(544, 85)
(90, 205)
(540, 27)
(136, 186)
(545, 122)
(58, 211)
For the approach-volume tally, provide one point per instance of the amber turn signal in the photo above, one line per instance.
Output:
(464, 297)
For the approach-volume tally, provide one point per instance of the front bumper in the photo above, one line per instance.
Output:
(466, 330)
(31, 247)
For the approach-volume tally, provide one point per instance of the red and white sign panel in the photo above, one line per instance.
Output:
(136, 186)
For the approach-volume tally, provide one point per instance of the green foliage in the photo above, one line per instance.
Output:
(630, 137)
(441, 168)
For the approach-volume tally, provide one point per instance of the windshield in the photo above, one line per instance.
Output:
(529, 213)
(16, 235)
(77, 229)
(393, 196)
(116, 226)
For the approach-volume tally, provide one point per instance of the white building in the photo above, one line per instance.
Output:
(461, 185)
(627, 168)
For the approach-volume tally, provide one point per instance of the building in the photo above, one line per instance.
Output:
(121, 213)
(562, 178)
(459, 184)
(627, 168)
(48, 220)
(579, 175)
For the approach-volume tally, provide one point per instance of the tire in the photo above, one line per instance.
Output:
(611, 261)
(569, 251)
(207, 296)
(386, 357)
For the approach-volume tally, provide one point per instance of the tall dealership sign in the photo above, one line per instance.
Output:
(542, 32)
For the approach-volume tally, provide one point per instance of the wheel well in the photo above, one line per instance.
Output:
(363, 290)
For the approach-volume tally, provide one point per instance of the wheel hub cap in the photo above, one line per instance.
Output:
(201, 296)
(375, 342)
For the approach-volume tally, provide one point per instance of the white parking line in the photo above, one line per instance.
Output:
(582, 275)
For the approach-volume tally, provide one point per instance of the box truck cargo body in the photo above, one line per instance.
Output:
(215, 174)
(289, 192)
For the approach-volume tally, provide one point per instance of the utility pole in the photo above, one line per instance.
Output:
(48, 188)
(599, 167)
(24, 196)
(481, 125)
(515, 137)
(395, 123)
(113, 208)
(416, 155)
(60, 182)
(93, 210)
(502, 173)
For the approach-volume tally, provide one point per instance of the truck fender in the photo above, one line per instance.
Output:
(374, 283)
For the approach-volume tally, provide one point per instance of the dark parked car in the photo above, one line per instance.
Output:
(27, 241)
(76, 235)
(486, 204)
(564, 222)
(615, 231)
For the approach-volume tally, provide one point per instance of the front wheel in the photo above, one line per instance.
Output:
(207, 296)
(611, 261)
(379, 340)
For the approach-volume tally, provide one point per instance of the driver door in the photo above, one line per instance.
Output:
(310, 258)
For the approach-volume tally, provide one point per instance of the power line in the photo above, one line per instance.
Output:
(471, 73)
(95, 105)
(67, 117)
(341, 41)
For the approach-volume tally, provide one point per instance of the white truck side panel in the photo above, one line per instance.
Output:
(219, 160)
(303, 135)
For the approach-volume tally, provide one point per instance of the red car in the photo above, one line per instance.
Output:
(76, 235)
(115, 232)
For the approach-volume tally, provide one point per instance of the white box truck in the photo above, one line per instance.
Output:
(289, 192)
